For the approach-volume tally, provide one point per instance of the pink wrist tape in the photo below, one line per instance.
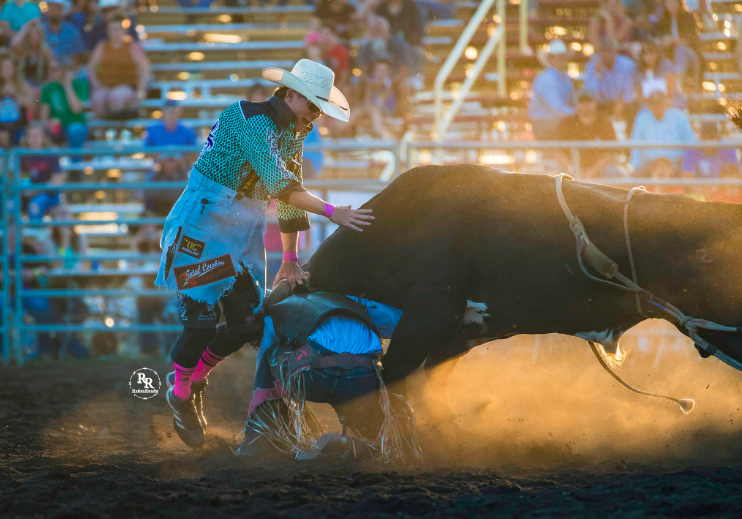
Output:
(290, 256)
(329, 210)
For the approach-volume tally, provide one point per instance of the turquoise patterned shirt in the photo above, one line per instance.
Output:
(253, 148)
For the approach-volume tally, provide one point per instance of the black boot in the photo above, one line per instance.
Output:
(254, 445)
(197, 390)
(186, 421)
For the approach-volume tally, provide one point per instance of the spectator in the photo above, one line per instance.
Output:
(437, 10)
(33, 53)
(149, 309)
(552, 92)
(380, 43)
(611, 76)
(84, 15)
(62, 106)
(170, 132)
(730, 193)
(17, 100)
(404, 20)
(379, 102)
(660, 123)
(587, 125)
(679, 24)
(257, 93)
(679, 33)
(34, 276)
(203, 4)
(313, 47)
(168, 169)
(5, 36)
(62, 36)
(337, 14)
(45, 310)
(118, 73)
(108, 9)
(313, 161)
(610, 22)
(654, 72)
(336, 56)
(18, 12)
(40, 169)
(711, 162)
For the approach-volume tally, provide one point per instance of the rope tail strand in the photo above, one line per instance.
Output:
(686, 404)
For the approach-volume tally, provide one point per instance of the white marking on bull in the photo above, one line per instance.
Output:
(475, 313)
(703, 256)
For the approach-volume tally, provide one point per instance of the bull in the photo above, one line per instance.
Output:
(472, 254)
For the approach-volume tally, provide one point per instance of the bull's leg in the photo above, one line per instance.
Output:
(439, 365)
(429, 322)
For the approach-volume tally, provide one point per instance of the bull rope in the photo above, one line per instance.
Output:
(609, 269)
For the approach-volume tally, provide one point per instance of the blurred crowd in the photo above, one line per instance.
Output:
(646, 60)
(379, 76)
(57, 64)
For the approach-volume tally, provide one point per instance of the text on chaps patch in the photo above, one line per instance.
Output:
(205, 272)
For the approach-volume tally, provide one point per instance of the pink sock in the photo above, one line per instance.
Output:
(206, 363)
(182, 387)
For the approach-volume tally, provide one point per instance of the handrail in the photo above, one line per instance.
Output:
(496, 39)
(453, 58)
(588, 145)
(523, 30)
(574, 147)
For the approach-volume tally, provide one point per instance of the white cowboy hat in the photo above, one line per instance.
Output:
(556, 47)
(315, 82)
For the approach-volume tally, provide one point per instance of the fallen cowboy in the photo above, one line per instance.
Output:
(323, 347)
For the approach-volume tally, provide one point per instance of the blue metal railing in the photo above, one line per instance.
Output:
(13, 224)
(13, 188)
(5, 262)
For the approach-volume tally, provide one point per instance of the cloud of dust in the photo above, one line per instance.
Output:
(546, 402)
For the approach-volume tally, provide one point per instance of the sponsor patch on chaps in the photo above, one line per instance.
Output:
(204, 272)
(192, 247)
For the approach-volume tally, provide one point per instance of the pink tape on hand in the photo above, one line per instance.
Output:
(329, 210)
(290, 255)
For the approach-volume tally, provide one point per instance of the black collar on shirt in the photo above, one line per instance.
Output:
(285, 115)
(275, 108)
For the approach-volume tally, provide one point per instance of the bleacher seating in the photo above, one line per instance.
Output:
(207, 58)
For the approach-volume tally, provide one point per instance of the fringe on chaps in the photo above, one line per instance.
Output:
(291, 427)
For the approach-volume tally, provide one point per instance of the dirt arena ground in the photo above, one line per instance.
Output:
(541, 433)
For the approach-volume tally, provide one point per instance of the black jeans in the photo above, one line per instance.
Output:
(353, 393)
(200, 324)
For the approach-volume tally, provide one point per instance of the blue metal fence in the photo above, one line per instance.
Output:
(13, 327)
(5, 263)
